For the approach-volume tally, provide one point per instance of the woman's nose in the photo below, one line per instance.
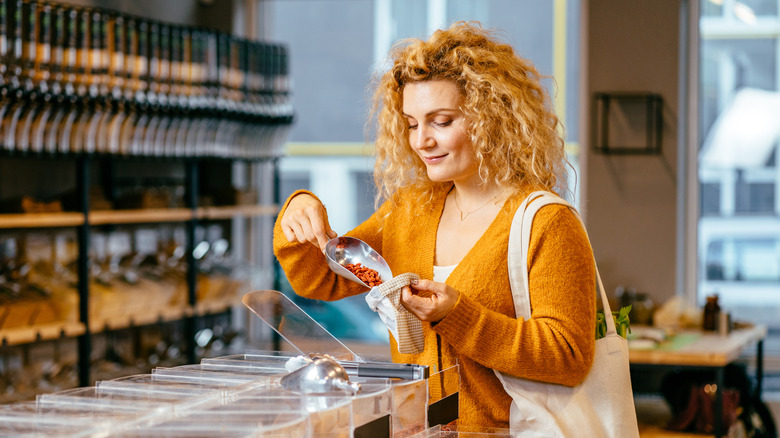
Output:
(422, 138)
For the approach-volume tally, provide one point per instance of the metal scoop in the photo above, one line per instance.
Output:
(323, 375)
(344, 250)
(303, 333)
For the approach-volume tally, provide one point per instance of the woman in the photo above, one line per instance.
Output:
(465, 133)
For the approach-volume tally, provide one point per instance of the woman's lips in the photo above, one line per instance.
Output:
(433, 159)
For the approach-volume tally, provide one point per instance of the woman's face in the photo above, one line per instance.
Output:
(438, 130)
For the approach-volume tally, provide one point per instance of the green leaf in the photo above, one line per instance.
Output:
(622, 322)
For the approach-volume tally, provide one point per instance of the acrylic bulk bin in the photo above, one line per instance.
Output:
(370, 407)
(105, 399)
(409, 396)
(223, 423)
(328, 416)
(30, 419)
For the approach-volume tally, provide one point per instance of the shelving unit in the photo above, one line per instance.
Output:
(116, 122)
(86, 221)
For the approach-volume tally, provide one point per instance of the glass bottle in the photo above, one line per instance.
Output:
(264, 98)
(81, 51)
(140, 76)
(69, 47)
(6, 62)
(3, 41)
(239, 145)
(79, 117)
(116, 52)
(281, 107)
(152, 87)
(29, 21)
(225, 103)
(109, 83)
(185, 64)
(84, 135)
(57, 41)
(199, 92)
(174, 137)
(211, 92)
(711, 313)
(15, 29)
(110, 130)
(99, 56)
(130, 46)
(175, 65)
(47, 131)
(42, 66)
(99, 98)
(24, 97)
(38, 120)
(62, 123)
(163, 89)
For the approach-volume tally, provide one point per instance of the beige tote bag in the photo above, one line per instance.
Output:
(603, 404)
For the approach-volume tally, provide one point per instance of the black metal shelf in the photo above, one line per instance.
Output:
(627, 123)
(85, 220)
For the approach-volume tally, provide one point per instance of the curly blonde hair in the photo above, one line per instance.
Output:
(511, 122)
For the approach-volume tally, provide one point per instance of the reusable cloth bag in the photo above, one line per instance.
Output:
(385, 299)
(603, 404)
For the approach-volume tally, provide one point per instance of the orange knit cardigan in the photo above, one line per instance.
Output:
(481, 332)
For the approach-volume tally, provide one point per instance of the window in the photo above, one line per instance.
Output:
(739, 99)
(336, 46)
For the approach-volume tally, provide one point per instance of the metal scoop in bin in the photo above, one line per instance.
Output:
(303, 333)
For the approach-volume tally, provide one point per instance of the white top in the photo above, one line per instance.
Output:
(441, 273)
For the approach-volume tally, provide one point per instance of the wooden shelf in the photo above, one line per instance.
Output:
(119, 322)
(45, 332)
(228, 212)
(166, 314)
(151, 215)
(212, 306)
(42, 332)
(41, 220)
(116, 217)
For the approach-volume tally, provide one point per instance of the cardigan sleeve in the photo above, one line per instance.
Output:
(305, 266)
(557, 343)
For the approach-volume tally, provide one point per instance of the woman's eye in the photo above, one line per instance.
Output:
(443, 124)
(412, 127)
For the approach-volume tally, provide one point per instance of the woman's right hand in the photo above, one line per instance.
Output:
(305, 220)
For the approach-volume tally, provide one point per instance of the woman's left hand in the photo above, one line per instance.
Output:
(432, 306)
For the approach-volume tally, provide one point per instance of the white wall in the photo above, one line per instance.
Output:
(630, 200)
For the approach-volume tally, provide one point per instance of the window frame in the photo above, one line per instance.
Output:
(690, 239)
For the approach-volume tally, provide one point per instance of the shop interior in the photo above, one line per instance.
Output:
(125, 255)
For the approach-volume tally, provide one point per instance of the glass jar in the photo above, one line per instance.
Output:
(711, 313)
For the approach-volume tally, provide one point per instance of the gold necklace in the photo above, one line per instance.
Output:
(463, 216)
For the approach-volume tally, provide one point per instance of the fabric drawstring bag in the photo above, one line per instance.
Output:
(385, 299)
(603, 404)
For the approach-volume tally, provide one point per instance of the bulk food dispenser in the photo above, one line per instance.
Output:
(320, 389)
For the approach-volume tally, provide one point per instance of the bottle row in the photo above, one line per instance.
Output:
(91, 80)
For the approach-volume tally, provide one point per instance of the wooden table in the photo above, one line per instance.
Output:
(707, 350)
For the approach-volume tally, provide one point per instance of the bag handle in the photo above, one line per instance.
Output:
(517, 257)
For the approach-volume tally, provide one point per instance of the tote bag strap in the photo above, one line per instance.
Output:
(517, 256)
